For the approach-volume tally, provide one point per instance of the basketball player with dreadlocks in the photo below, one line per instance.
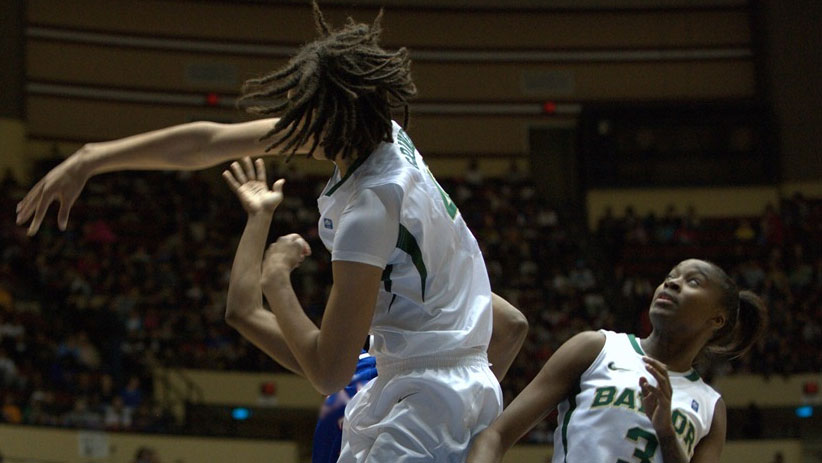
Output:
(246, 313)
(406, 269)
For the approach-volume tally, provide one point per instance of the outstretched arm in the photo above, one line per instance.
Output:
(244, 307)
(510, 330)
(192, 146)
(552, 384)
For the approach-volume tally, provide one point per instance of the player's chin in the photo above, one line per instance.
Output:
(662, 310)
(664, 305)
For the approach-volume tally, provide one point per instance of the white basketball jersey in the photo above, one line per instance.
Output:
(603, 420)
(435, 297)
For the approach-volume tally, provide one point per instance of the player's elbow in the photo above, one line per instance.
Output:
(332, 377)
(327, 389)
(201, 136)
(511, 329)
(329, 385)
(231, 318)
(519, 326)
(234, 313)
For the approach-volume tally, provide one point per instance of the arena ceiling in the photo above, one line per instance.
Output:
(515, 4)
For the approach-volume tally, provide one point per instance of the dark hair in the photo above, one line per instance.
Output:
(747, 319)
(343, 88)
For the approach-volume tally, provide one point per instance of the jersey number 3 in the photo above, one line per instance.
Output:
(642, 455)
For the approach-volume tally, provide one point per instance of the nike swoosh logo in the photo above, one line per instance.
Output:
(612, 366)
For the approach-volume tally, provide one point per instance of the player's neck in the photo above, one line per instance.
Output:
(677, 354)
(343, 164)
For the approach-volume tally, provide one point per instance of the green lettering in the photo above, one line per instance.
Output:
(603, 396)
(680, 421)
(407, 148)
(450, 207)
(689, 438)
(626, 399)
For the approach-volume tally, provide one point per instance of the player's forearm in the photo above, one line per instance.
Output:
(302, 336)
(530, 407)
(244, 307)
(244, 291)
(486, 448)
(672, 452)
(173, 148)
(191, 146)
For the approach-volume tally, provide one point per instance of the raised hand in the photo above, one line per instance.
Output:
(248, 182)
(656, 400)
(62, 184)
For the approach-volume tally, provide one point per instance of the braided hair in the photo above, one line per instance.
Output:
(337, 91)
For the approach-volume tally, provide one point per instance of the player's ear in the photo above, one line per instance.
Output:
(719, 320)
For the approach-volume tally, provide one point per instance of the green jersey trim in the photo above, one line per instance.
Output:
(635, 344)
(572, 405)
(692, 376)
(407, 243)
(357, 163)
(386, 277)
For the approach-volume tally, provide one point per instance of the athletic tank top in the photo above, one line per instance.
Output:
(435, 297)
(603, 419)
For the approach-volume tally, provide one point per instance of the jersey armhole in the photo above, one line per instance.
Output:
(710, 422)
(598, 359)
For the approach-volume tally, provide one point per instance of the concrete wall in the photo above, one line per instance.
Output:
(233, 388)
(33, 444)
(761, 451)
(793, 65)
(69, 446)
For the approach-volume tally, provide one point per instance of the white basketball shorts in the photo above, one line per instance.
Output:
(421, 410)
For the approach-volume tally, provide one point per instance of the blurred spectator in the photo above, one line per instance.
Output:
(131, 285)
(82, 416)
(117, 416)
(132, 394)
(515, 176)
(11, 412)
(745, 232)
(668, 225)
(8, 370)
(773, 233)
(146, 455)
(582, 277)
(473, 175)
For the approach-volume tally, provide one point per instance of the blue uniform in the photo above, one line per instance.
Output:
(328, 433)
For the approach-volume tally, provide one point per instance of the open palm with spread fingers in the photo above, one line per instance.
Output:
(248, 181)
(63, 184)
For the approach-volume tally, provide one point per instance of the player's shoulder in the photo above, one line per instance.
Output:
(697, 384)
(589, 340)
(586, 345)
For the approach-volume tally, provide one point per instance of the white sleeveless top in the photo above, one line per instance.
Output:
(603, 420)
(390, 212)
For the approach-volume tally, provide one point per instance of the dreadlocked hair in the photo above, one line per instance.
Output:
(337, 91)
